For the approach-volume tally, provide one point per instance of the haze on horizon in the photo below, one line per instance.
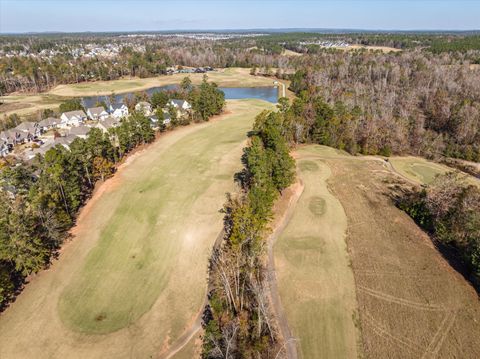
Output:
(106, 15)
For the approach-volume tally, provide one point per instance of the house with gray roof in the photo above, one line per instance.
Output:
(109, 122)
(72, 118)
(80, 131)
(30, 129)
(118, 110)
(48, 124)
(144, 107)
(181, 105)
(97, 113)
(65, 141)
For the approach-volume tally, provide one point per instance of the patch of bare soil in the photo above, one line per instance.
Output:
(412, 303)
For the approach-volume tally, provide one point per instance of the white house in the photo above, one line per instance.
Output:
(181, 105)
(97, 113)
(72, 118)
(144, 107)
(119, 110)
(48, 124)
(109, 122)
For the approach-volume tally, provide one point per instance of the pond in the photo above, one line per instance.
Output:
(269, 94)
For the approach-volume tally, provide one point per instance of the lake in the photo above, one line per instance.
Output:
(269, 94)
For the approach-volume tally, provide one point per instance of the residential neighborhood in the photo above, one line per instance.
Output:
(29, 139)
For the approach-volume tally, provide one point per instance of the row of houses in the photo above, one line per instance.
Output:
(75, 124)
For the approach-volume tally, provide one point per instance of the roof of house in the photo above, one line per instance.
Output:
(26, 126)
(96, 111)
(66, 140)
(110, 122)
(80, 131)
(76, 113)
(143, 104)
(117, 106)
(50, 121)
(4, 135)
(179, 103)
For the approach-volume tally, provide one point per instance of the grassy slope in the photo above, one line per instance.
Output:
(137, 270)
(314, 278)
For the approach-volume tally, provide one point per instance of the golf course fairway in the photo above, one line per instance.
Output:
(314, 278)
(134, 276)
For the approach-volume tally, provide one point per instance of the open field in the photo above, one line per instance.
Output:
(422, 171)
(411, 303)
(371, 48)
(134, 277)
(315, 281)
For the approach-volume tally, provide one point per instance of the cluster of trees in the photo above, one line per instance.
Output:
(450, 210)
(39, 202)
(238, 321)
(374, 103)
(151, 56)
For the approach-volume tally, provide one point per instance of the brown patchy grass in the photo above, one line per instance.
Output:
(411, 303)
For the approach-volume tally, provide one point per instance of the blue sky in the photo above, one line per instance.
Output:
(129, 15)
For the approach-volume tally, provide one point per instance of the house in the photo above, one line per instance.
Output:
(109, 122)
(48, 124)
(30, 129)
(72, 118)
(118, 110)
(144, 107)
(65, 141)
(166, 117)
(4, 148)
(80, 131)
(97, 113)
(181, 105)
(29, 155)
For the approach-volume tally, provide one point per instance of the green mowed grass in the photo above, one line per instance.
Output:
(117, 85)
(418, 169)
(315, 281)
(139, 246)
(135, 276)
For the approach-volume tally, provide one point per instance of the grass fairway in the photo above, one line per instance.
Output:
(315, 280)
(134, 278)
(230, 77)
(422, 171)
(418, 169)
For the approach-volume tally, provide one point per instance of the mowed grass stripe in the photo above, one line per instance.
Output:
(135, 277)
(315, 281)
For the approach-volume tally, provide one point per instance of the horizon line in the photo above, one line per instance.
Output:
(267, 29)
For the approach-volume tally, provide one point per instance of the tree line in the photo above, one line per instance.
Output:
(238, 320)
(39, 201)
(449, 209)
(383, 103)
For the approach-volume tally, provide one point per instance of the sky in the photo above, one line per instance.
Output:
(144, 15)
